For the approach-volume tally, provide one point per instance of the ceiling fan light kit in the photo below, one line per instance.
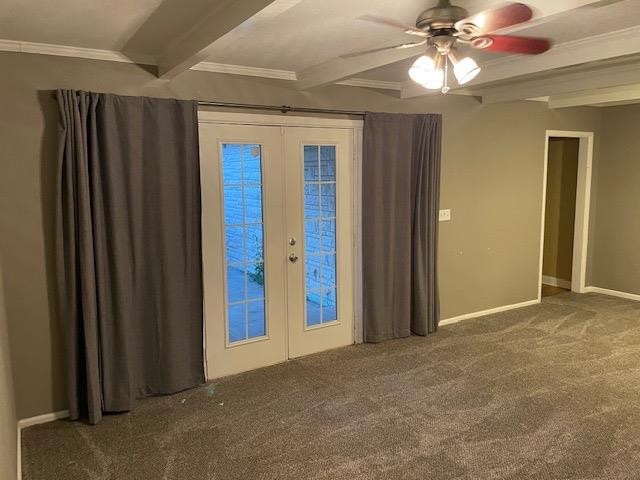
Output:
(465, 70)
(445, 26)
(428, 72)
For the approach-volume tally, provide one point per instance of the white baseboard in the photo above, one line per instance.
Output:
(556, 282)
(46, 418)
(613, 293)
(30, 422)
(468, 316)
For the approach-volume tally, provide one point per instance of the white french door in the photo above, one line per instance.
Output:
(277, 242)
(318, 211)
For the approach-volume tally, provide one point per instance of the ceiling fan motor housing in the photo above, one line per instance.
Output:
(441, 17)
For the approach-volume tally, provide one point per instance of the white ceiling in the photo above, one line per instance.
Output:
(307, 36)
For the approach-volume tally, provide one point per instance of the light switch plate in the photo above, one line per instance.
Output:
(445, 215)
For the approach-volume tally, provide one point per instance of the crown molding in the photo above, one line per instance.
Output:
(75, 52)
(10, 46)
(212, 67)
(247, 71)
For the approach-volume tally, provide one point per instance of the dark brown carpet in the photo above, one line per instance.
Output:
(550, 391)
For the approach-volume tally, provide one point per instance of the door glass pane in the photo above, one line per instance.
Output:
(237, 330)
(233, 204)
(311, 199)
(313, 309)
(244, 239)
(320, 233)
(311, 164)
(328, 199)
(329, 305)
(328, 163)
(255, 319)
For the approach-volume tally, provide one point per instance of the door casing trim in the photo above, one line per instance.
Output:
(583, 204)
(286, 120)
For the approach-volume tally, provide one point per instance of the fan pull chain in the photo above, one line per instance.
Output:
(445, 87)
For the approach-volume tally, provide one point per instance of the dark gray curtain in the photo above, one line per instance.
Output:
(128, 249)
(400, 203)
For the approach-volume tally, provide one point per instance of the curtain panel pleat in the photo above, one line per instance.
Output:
(129, 249)
(400, 203)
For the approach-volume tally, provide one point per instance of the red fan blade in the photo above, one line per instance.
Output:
(492, 20)
(510, 44)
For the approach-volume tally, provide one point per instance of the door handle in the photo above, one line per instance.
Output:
(293, 258)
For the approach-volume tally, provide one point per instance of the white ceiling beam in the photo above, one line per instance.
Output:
(339, 69)
(411, 89)
(562, 84)
(367, 83)
(190, 48)
(595, 97)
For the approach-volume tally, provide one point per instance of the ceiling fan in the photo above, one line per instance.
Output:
(444, 27)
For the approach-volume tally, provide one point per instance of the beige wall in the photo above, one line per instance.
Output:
(560, 209)
(616, 240)
(7, 408)
(491, 179)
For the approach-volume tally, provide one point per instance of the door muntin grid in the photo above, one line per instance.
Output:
(245, 318)
(320, 235)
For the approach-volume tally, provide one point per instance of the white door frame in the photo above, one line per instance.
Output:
(583, 204)
(356, 126)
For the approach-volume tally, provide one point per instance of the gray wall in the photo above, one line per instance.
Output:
(616, 240)
(491, 179)
(560, 209)
(7, 408)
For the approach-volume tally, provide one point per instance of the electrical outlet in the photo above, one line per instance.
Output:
(445, 215)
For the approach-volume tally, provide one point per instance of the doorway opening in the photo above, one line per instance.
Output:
(565, 212)
(560, 213)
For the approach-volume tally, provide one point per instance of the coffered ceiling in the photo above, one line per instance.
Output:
(594, 60)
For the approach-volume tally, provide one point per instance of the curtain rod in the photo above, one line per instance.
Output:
(281, 108)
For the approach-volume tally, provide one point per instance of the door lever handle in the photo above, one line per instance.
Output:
(293, 258)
